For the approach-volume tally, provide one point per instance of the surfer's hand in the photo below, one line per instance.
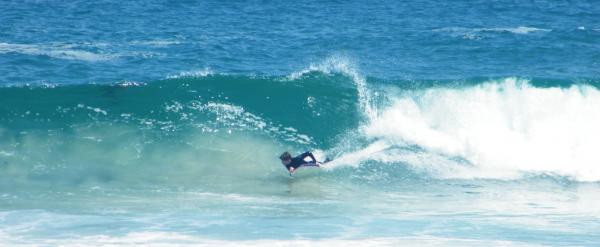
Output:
(291, 170)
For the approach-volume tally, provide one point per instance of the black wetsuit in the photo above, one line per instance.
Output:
(299, 161)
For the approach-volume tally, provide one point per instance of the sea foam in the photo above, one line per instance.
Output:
(62, 51)
(499, 129)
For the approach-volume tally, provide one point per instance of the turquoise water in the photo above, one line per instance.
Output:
(156, 123)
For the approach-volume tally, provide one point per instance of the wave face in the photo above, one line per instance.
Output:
(193, 158)
(105, 133)
(172, 131)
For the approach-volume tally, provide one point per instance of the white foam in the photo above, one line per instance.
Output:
(472, 33)
(94, 109)
(158, 42)
(516, 30)
(192, 74)
(160, 238)
(500, 128)
(130, 84)
(61, 51)
(226, 109)
(34, 84)
(237, 117)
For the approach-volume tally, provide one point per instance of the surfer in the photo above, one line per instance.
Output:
(291, 164)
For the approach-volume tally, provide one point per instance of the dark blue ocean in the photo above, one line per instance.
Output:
(160, 123)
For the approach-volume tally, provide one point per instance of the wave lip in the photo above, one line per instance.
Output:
(343, 65)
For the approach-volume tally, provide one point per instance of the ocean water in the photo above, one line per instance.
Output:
(159, 123)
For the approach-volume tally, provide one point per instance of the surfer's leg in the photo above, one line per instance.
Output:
(309, 164)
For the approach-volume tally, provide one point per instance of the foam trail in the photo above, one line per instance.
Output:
(356, 157)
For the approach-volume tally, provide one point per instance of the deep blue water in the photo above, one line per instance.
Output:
(458, 123)
(108, 41)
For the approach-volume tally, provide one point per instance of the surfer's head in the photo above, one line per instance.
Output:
(285, 158)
